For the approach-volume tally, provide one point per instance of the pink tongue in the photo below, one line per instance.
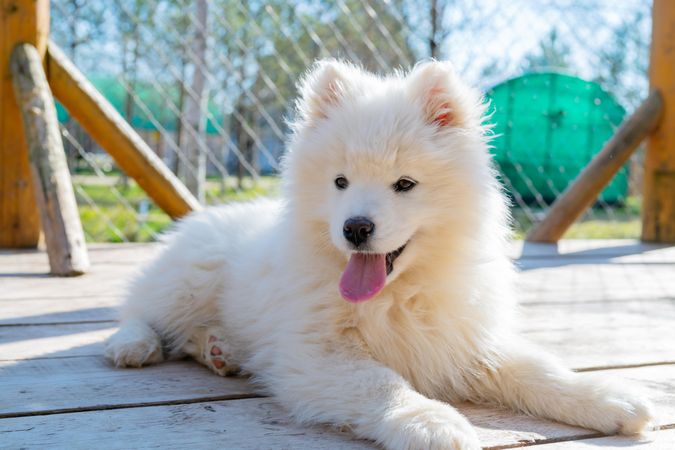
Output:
(364, 277)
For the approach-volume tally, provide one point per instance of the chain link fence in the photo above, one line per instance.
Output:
(208, 84)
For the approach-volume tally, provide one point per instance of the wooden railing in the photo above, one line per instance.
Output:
(36, 183)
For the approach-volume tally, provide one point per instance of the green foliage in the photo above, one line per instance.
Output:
(111, 220)
(601, 222)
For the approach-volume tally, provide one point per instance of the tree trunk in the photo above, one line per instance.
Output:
(433, 44)
(194, 144)
(242, 140)
(176, 162)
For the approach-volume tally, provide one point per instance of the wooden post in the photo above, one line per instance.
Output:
(110, 130)
(51, 179)
(20, 21)
(581, 194)
(658, 204)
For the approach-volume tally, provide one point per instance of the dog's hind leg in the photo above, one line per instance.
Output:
(168, 303)
(209, 347)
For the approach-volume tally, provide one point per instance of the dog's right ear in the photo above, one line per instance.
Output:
(446, 102)
(324, 86)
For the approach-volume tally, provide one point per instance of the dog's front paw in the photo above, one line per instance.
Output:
(613, 410)
(429, 424)
(135, 344)
(627, 414)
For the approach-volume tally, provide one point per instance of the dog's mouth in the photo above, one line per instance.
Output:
(366, 274)
(391, 257)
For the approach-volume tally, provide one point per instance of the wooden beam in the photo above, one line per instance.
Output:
(658, 204)
(584, 191)
(51, 179)
(110, 130)
(20, 21)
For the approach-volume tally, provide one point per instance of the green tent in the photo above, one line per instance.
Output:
(548, 126)
(161, 102)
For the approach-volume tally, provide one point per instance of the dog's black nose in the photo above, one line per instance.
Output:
(357, 230)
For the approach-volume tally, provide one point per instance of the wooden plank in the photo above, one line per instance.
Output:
(595, 335)
(20, 21)
(106, 280)
(540, 310)
(80, 382)
(575, 317)
(579, 281)
(42, 311)
(612, 318)
(252, 423)
(658, 201)
(84, 384)
(78, 350)
(596, 348)
(601, 249)
(54, 341)
(110, 131)
(33, 262)
(89, 383)
(53, 189)
(23, 275)
(242, 424)
(657, 440)
(578, 347)
(184, 382)
(583, 335)
(581, 273)
(584, 190)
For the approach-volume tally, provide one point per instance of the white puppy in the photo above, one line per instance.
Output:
(378, 290)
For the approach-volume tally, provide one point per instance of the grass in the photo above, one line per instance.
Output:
(120, 213)
(136, 219)
(609, 222)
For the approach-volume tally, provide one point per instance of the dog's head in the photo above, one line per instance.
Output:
(385, 169)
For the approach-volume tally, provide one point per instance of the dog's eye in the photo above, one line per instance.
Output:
(341, 183)
(404, 184)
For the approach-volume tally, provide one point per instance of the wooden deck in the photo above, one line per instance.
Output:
(603, 306)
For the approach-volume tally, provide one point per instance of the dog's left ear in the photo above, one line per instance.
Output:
(444, 99)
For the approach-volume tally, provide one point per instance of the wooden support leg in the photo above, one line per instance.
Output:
(20, 21)
(51, 180)
(581, 194)
(658, 203)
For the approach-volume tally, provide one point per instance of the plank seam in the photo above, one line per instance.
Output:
(50, 412)
(578, 437)
(39, 324)
(91, 355)
(665, 299)
(624, 366)
(581, 437)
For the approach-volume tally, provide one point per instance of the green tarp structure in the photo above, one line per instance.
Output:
(548, 126)
(161, 102)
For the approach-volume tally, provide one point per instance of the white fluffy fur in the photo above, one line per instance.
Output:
(265, 275)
